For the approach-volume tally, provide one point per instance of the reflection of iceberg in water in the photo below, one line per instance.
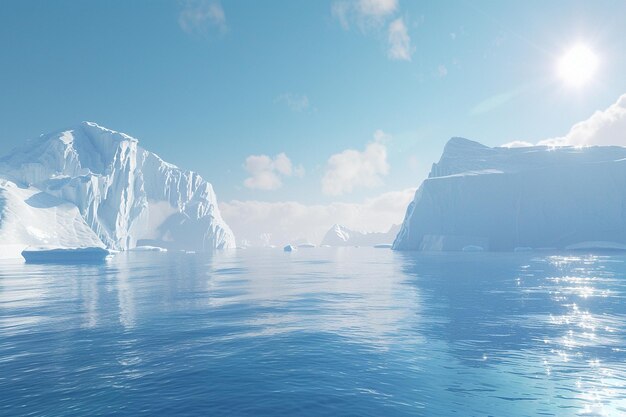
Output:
(355, 297)
(125, 297)
(24, 291)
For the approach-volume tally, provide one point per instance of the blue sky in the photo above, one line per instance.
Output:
(207, 84)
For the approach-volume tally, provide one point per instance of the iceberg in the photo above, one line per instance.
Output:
(65, 255)
(150, 249)
(339, 235)
(500, 199)
(125, 194)
(30, 217)
(383, 246)
(289, 248)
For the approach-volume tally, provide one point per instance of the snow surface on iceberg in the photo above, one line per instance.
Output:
(30, 217)
(502, 198)
(339, 235)
(127, 195)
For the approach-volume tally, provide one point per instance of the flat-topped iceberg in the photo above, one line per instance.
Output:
(65, 255)
(125, 194)
(500, 199)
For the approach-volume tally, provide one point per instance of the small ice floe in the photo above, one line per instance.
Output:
(44, 254)
(473, 248)
(289, 248)
(383, 246)
(148, 249)
(306, 245)
(523, 249)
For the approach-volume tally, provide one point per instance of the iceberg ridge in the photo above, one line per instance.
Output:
(127, 195)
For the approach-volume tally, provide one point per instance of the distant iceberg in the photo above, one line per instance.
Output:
(149, 249)
(339, 235)
(383, 246)
(126, 195)
(501, 199)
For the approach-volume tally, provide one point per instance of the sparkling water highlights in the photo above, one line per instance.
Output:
(336, 332)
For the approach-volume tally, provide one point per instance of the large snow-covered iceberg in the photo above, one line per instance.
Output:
(505, 198)
(339, 235)
(125, 194)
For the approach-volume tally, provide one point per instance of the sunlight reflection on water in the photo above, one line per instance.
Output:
(350, 331)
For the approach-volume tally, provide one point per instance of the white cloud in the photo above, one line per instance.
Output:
(352, 169)
(365, 13)
(197, 16)
(295, 102)
(372, 16)
(377, 7)
(604, 127)
(262, 223)
(517, 144)
(399, 41)
(267, 173)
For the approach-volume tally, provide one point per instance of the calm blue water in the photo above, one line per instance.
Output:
(336, 332)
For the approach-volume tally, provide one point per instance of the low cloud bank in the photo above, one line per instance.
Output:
(260, 223)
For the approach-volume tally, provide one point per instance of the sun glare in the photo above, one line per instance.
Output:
(578, 65)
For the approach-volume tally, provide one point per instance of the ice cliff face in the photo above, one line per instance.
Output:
(501, 198)
(339, 235)
(127, 195)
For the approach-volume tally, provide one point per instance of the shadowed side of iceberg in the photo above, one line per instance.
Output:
(500, 199)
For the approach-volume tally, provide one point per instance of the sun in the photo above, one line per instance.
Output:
(578, 65)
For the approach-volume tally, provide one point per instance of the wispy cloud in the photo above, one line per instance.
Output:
(199, 16)
(363, 13)
(352, 169)
(266, 173)
(373, 15)
(295, 102)
(399, 41)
